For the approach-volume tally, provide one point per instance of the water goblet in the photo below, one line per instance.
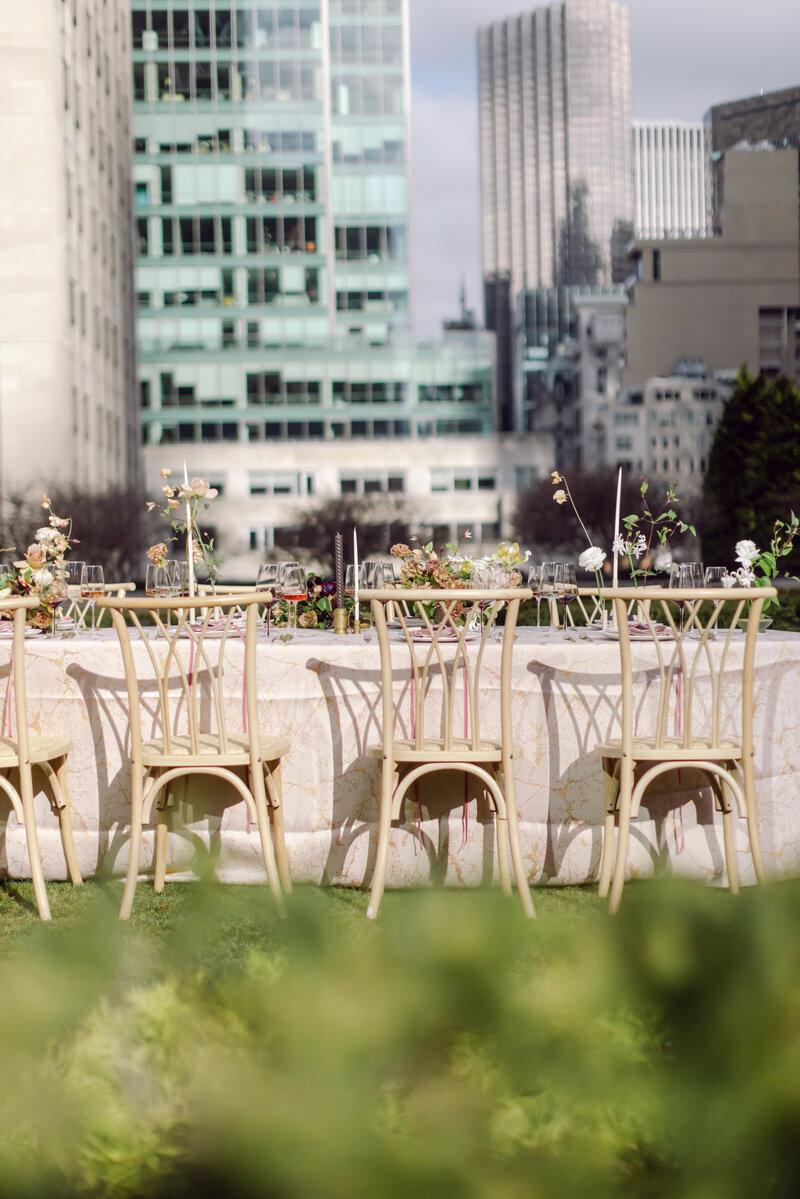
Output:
(565, 587)
(54, 595)
(713, 576)
(92, 588)
(547, 591)
(535, 582)
(267, 580)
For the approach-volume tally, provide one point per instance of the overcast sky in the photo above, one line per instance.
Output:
(686, 54)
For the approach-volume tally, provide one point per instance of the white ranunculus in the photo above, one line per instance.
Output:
(42, 578)
(746, 552)
(592, 559)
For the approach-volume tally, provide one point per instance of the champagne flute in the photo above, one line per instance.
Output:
(565, 587)
(267, 580)
(294, 587)
(92, 588)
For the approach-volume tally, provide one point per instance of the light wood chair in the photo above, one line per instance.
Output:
(445, 656)
(191, 722)
(697, 660)
(24, 751)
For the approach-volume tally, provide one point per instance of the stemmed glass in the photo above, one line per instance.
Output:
(565, 586)
(72, 577)
(713, 576)
(55, 593)
(267, 580)
(686, 576)
(535, 583)
(294, 589)
(92, 588)
(376, 579)
(547, 589)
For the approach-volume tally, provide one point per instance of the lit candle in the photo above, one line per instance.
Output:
(355, 572)
(189, 554)
(615, 577)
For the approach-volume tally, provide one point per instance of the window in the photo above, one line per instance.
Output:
(656, 266)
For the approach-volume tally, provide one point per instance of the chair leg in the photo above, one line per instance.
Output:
(623, 840)
(722, 795)
(65, 825)
(160, 852)
(611, 791)
(272, 778)
(509, 792)
(751, 803)
(137, 797)
(32, 838)
(501, 840)
(389, 778)
(265, 834)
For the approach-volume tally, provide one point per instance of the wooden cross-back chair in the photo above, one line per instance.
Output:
(442, 658)
(192, 717)
(699, 659)
(21, 751)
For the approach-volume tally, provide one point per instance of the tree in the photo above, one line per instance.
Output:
(381, 521)
(753, 472)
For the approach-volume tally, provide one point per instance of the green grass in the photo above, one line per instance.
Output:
(452, 1048)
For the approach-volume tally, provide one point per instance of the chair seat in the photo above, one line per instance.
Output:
(237, 753)
(42, 749)
(672, 750)
(433, 751)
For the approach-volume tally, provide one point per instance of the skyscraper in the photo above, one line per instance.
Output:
(67, 356)
(669, 178)
(556, 178)
(274, 280)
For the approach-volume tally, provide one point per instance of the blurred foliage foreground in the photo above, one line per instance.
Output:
(452, 1049)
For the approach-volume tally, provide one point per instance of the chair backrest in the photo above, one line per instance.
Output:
(225, 589)
(701, 672)
(436, 640)
(592, 604)
(184, 694)
(13, 696)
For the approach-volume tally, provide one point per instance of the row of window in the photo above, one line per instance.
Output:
(287, 28)
(269, 388)
(270, 537)
(296, 234)
(203, 81)
(210, 431)
(698, 393)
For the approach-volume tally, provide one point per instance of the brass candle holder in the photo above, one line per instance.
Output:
(340, 620)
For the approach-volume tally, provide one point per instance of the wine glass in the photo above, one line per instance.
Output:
(713, 576)
(267, 580)
(294, 588)
(547, 589)
(177, 576)
(54, 595)
(92, 588)
(686, 576)
(565, 586)
(535, 582)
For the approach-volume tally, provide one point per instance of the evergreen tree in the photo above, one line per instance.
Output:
(753, 472)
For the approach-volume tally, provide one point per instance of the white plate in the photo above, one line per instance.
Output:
(8, 634)
(662, 633)
(446, 637)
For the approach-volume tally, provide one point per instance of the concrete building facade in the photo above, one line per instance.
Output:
(730, 299)
(669, 178)
(67, 354)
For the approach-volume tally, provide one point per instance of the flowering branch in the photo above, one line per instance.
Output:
(190, 494)
(593, 558)
(752, 559)
(642, 530)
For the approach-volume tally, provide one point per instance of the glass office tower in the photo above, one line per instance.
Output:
(273, 279)
(556, 176)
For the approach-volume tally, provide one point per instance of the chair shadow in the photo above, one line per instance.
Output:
(352, 815)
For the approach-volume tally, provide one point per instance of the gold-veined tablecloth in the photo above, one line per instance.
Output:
(323, 690)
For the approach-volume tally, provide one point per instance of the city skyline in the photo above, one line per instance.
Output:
(675, 77)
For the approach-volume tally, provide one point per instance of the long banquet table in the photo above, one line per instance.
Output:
(324, 690)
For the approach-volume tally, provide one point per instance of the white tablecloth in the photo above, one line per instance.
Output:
(324, 691)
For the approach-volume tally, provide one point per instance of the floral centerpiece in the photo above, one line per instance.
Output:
(423, 567)
(593, 557)
(644, 529)
(759, 568)
(42, 572)
(189, 496)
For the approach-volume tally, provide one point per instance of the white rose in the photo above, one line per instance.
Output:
(746, 552)
(592, 559)
(42, 578)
